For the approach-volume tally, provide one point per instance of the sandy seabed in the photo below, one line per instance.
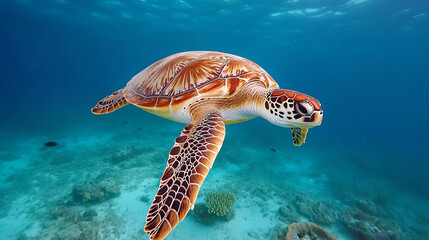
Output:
(273, 188)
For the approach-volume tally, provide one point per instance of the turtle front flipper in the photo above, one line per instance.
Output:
(110, 103)
(299, 135)
(188, 164)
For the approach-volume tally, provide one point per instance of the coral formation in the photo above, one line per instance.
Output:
(307, 231)
(220, 203)
(129, 156)
(68, 223)
(317, 211)
(89, 215)
(124, 153)
(288, 213)
(369, 227)
(66, 213)
(75, 225)
(218, 206)
(202, 214)
(367, 206)
(93, 192)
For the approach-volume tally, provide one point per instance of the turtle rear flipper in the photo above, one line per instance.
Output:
(110, 103)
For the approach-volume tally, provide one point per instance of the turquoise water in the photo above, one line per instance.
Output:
(361, 175)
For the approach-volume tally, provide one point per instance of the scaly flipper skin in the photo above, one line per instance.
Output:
(110, 103)
(189, 162)
(299, 135)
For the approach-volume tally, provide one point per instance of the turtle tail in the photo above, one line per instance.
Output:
(110, 103)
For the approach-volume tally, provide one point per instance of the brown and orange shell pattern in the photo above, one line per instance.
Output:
(177, 80)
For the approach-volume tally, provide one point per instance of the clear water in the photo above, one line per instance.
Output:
(366, 60)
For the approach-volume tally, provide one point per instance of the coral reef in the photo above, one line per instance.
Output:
(75, 225)
(67, 223)
(95, 191)
(367, 227)
(317, 211)
(288, 213)
(367, 206)
(129, 156)
(201, 214)
(307, 231)
(124, 153)
(220, 203)
(218, 207)
(89, 215)
(66, 213)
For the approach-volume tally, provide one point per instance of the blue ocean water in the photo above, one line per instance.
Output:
(365, 60)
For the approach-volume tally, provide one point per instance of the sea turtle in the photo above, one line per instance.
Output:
(205, 90)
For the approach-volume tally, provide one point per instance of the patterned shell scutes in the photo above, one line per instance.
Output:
(185, 76)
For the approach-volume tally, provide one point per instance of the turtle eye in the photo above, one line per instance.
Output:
(305, 108)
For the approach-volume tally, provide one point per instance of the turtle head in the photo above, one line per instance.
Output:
(291, 109)
(286, 108)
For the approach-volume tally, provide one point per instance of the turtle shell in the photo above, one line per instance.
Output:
(182, 78)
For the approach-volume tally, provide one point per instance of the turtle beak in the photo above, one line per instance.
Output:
(312, 121)
(318, 118)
